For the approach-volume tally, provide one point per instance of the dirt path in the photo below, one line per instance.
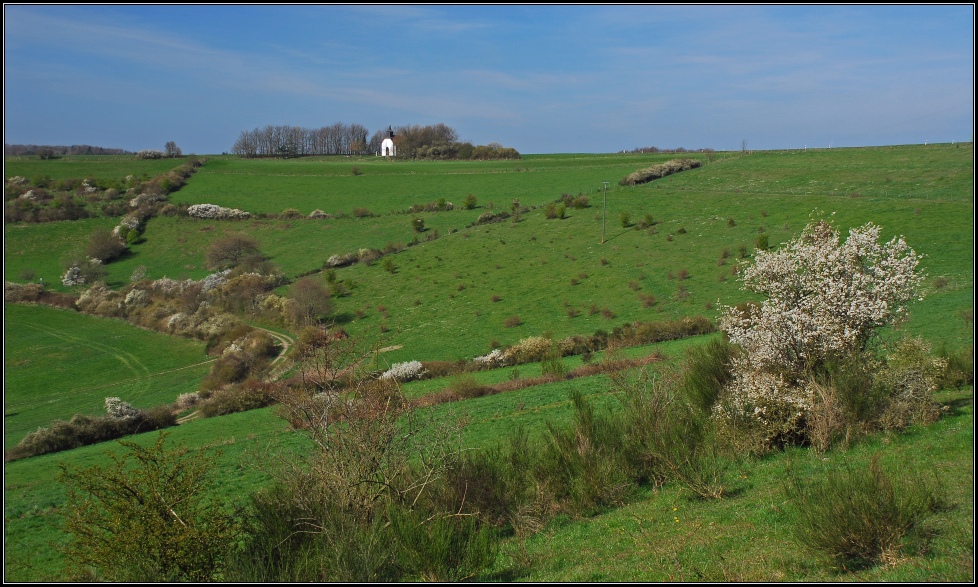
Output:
(278, 365)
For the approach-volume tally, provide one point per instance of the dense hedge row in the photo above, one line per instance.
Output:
(658, 171)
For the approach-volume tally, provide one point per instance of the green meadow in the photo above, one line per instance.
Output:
(452, 294)
(58, 363)
(106, 167)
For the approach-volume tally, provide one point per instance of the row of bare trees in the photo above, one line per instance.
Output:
(296, 141)
(51, 151)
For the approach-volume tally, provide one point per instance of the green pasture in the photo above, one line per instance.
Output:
(449, 297)
(668, 535)
(385, 186)
(58, 363)
(87, 167)
(555, 275)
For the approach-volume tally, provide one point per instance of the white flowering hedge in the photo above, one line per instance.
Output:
(405, 371)
(215, 212)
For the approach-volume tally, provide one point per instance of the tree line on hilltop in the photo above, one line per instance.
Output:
(51, 151)
(437, 141)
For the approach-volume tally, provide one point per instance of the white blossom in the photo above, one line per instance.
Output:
(216, 212)
(120, 409)
(824, 299)
(405, 371)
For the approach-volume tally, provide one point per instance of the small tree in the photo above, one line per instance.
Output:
(231, 251)
(313, 301)
(105, 246)
(172, 150)
(145, 517)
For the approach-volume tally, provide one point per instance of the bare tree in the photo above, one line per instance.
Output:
(172, 150)
(231, 251)
(312, 299)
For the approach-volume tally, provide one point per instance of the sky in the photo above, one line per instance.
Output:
(540, 79)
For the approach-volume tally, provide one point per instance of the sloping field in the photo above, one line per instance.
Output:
(449, 297)
(555, 275)
(58, 363)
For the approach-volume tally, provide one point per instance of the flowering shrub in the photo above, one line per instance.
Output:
(83, 271)
(528, 350)
(659, 170)
(120, 409)
(405, 371)
(497, 358)
(216, 212)
(341, 260)
(825, 299)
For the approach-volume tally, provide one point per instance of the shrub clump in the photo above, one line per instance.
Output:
(825, 300)
(658, 171)
(859, 516)
(121, 420)
(405, 371)
(214, 212)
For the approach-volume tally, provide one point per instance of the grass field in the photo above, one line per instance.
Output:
(656, 536)
(58, 363)
(450, 296)
(87, 167)
(438, 303)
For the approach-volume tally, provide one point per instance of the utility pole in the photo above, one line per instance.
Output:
(604, 218)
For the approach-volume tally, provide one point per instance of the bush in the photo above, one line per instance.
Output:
(512, 321)
(249, 395)
(146, 517)
(447, 547)
(825, 300)
(666, 436)
(584, 462)
(626, 219)
(83, 430)
(231, 251)
(658, 171)
(405, 371)
(858, 516)
(214, 212)
(105, 246)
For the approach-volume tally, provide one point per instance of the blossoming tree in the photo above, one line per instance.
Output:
(825, 299)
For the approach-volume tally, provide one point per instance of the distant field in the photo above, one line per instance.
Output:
(58, 363)
(87, 167)
(328, 183)
(554, 274)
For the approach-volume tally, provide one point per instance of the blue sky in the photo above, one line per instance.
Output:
(540, 79)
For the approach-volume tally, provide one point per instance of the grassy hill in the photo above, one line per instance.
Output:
(449, 297)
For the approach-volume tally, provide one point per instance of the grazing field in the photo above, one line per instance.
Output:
(452, 291)
(115, 167)
(58, 363)
(555, 275)
(383, 186)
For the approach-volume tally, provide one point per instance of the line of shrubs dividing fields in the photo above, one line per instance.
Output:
(42, 199)
(659, 170)
(237, 381)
